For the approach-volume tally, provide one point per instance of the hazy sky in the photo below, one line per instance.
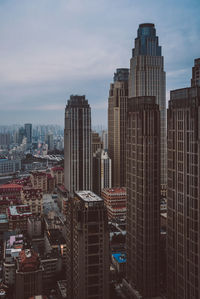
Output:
(50, 49)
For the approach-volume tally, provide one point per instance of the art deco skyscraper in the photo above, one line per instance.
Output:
(147, 78)
(117, 108)
(183, 196)
(77, 148)
(143, 197)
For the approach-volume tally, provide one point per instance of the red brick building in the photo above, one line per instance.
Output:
(18, 217)
(10, 190)
(115, 201)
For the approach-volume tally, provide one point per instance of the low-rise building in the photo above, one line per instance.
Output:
(34, 198)
(10, 191)
(18, 217)
(54, 241)
(12, 247)
(115, 201)
(39, 180)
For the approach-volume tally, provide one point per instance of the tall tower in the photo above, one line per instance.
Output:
(183, 194)
(28, 132)
(102, 171)
(143, 197)
(77, 147)
(147, 78)
(117, 108)
(87, 257)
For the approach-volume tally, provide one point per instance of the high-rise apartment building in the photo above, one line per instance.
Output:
(102, 171)
(143, 197)
(87, 257)
(183, 196)
(117, 109)
(77, 150)
(147, 78)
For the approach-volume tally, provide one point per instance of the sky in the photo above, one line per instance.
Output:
(50, 49)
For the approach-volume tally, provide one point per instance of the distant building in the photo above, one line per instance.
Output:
(105, 140)
(102, 171)
(5, 139)
(96, 142)
(9, 166)
(87, 239)
(28, 274)
(195, 81)
(117, 116)
(28, 133)
(115, 201)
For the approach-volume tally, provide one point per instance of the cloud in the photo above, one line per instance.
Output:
(50, 49)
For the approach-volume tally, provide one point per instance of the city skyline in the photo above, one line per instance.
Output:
(45, 56)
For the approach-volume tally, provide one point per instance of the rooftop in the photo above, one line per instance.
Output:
(116, 190)
(11, 186)
(20, 210)
(119, 257)
(88, 196)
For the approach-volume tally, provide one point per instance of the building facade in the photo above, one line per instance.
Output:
(143, 197)
(96, 142)
(87, 247)
(117, 109)
(183, 213)
(28, 274)
(115, 201)
(147, 78)
(102, 171)
(77, 149)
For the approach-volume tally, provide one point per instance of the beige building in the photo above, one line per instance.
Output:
(34, 198)
(39, 180)
(117, 109)
(143, 197)
(87, 247)
(147, 78)
(57, 173)
(183, 194)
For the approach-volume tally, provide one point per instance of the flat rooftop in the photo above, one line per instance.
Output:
(119, 257)
(19, 210)
(88, 196)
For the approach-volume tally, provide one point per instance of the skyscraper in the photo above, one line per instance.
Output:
(28, 132)
(117, 108)
(87, 257)
(143, 197)
(77, 149)
(147, 78)
(183, 196)
(102, 171)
